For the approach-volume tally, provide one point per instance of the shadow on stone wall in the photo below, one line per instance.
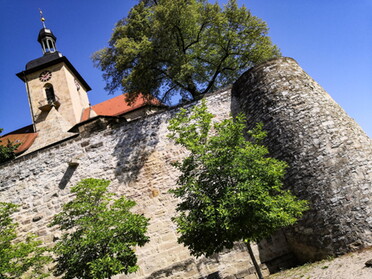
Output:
(328, 154)
(214, 275)
(192, 267)
(137, 140)
(67, 176)
(274, 251)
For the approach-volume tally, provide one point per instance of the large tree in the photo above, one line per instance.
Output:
(229, 188)
(19, 259)
(188, 47)
(100, 233)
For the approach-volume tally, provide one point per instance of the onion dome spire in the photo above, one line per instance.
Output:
(46, 38)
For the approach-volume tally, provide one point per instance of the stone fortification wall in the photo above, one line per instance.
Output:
(330, 161)
(136, 157)
(329, 156)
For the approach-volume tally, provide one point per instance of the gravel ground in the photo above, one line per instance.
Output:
(349, 266)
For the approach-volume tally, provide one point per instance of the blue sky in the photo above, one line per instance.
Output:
(330, 39)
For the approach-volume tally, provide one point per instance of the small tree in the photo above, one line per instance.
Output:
(192, 47)
(7, 150)
(18, 259)
(100, 233)
(230, 189)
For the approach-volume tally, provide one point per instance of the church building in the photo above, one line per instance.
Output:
(59, 101)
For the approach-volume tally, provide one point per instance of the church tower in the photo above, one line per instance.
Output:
(56, 91)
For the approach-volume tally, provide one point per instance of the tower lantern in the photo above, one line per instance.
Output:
(46, 38)
(47, 41)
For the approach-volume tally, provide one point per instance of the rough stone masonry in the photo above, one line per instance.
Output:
(330, 162)
(329, 156)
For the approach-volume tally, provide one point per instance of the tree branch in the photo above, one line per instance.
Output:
(205, 60)
(171, 78)
(166, 93)
(216, 73)
(181, 36)
(218, 70)
(197, 37)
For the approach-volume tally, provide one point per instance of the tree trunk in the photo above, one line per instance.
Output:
(256, 266)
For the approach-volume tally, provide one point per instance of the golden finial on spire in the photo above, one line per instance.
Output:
(42, 18)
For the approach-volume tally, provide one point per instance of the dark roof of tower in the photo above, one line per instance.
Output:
(45, 32)
(48, 60)
(41, 61)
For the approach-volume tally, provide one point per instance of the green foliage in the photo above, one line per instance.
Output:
(230, 190)
(189, 47)
(101, 233)
(7, 150)
(19, 259)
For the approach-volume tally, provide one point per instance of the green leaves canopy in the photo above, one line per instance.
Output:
(7, 150)
(19, 259)
(230, 189)
(101, 233)
(189, 47)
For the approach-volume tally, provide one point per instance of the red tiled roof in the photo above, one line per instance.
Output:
(26, 140)
(112, 107)
(85, 114)
(117, 106)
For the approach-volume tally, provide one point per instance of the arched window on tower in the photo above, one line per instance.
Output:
(49, 92)
(51, 100)
(50, 47)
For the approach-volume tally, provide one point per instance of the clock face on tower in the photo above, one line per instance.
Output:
(45, 76)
